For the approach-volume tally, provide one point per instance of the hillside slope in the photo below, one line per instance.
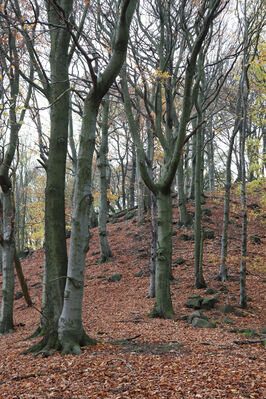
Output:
(139, 357)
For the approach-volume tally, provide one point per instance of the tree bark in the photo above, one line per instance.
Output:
(8, 249)
(163, 303)
(70, 329)
(55, 235)
(102, 165)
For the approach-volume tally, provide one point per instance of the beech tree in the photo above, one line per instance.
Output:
(172, 142)
(70, 329)
(10, 61)
(103, 165)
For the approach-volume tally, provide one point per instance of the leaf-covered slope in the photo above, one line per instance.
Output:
(139, 357)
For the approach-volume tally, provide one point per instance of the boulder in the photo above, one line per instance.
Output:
(202, 323)
(196, 314)
(209, 303)
(194, 302)
(227, 309)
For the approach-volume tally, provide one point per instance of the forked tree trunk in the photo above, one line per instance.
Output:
(70, 329)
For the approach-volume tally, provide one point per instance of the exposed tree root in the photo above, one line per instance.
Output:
(39, 332)
(46, 347)
(161, 314)
(71, 345)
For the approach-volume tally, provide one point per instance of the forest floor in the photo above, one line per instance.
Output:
(140, 357)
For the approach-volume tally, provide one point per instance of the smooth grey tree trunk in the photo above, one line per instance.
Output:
(8, 250)
(154, 238)
(244, 88)
(199, 279)
(193, 168)
(223, 272)
(70, 329)
(133, 178)
(163, 304)
(184, 217)
(210, 158)
(103, 165)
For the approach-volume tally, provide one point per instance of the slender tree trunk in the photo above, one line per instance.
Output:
(102, 165)
(154, 237)
(133, 178)
(8, 249)
(210, 158)
(244, 87)
(1, 257)
(198, 251)
(140, 196)
(193, 168)
(199, 279)
(184, 217)
(264, 152)
(223, 273)
(21, 278)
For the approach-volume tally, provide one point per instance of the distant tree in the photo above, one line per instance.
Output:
(9, 53)
(103, 168)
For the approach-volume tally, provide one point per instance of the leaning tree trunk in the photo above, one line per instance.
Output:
(8, 250)
(103, 165)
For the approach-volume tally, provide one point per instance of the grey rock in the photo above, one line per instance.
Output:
(227, 309)
(194, 302)
(197, 314)
(202, 323)
(209, 303)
